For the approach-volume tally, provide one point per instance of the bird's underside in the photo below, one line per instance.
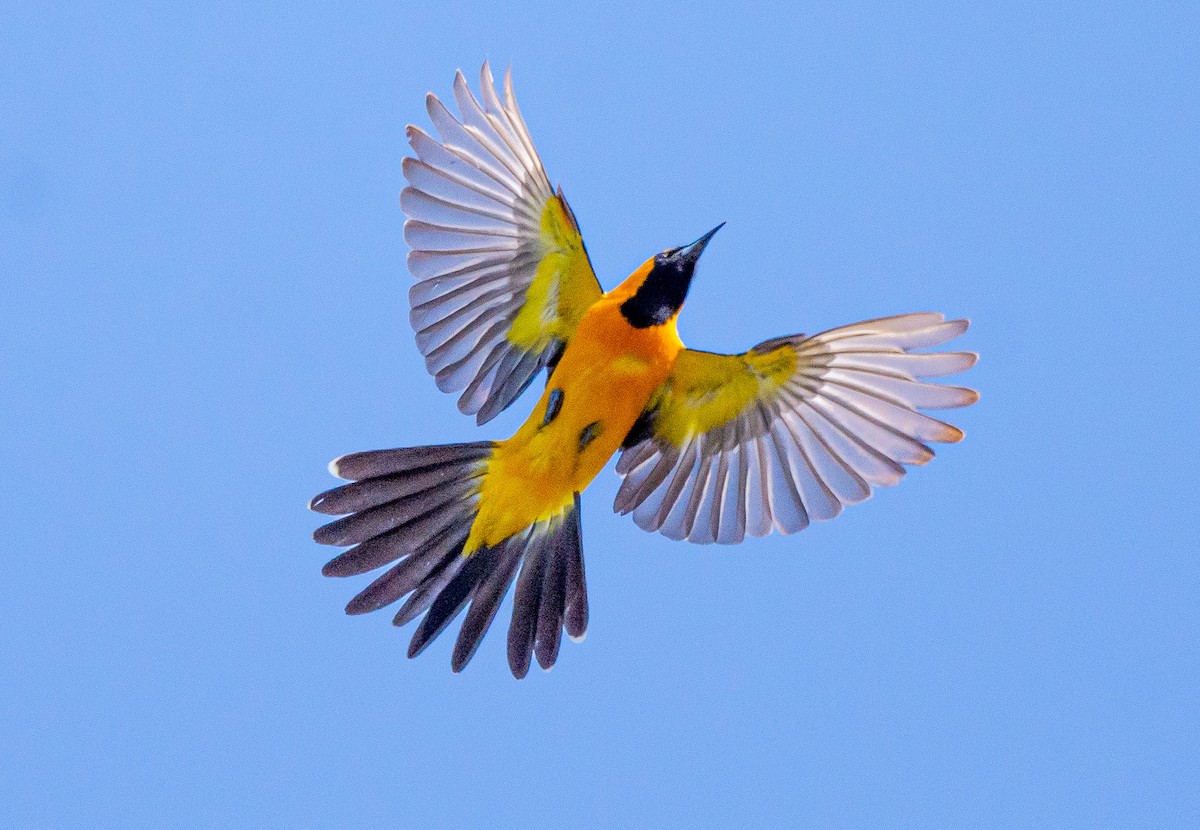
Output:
(713, 448)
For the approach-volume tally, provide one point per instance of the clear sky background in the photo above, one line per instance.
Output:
(205, 301)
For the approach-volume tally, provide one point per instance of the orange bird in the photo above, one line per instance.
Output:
(713, 447)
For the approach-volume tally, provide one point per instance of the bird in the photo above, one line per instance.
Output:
(712, 447)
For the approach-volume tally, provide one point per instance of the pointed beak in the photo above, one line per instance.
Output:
(690, 253)
(665, 285)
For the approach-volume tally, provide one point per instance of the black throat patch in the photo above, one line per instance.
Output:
(660, 295)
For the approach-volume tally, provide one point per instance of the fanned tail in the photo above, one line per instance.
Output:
(414, 507)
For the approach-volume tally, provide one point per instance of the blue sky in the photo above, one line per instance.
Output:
(206, 301)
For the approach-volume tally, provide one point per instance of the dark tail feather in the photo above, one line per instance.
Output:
(485, 603)
(552, 552)
(417, 505)
(375, 463)
(577, 605)
(451, 599)
(400, 500)
(522, 631)
(550, 612)
(406, 575)
(544, 594)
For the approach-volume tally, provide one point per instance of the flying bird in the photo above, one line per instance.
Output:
(713, 447)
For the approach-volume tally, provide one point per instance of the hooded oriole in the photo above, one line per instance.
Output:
(713, 447)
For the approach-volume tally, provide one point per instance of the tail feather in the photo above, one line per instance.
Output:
(372, 492)
(527, 600)
(431, 586)
(417, 506)
(407, 575)
(550, 612)
(550, 590)
(576, 617)
(485, 602)
(444, 520)
(375, 463)
(451, 599)
(373, 522)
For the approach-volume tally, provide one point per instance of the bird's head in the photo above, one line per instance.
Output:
(665, 286)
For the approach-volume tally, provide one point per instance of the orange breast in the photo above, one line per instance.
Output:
(604, 380)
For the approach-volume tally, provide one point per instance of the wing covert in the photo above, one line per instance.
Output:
(790, 431)
(502, 273)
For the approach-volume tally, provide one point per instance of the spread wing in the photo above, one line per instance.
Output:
(790, 431)
(502, 274)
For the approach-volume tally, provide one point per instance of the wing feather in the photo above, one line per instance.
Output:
(759, 519)
(787, 506)
(791, 431)
(502, 273)
(436, 210)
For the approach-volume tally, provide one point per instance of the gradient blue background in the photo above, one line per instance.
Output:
(205, 300)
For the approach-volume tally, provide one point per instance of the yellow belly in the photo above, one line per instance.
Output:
(606, 377)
